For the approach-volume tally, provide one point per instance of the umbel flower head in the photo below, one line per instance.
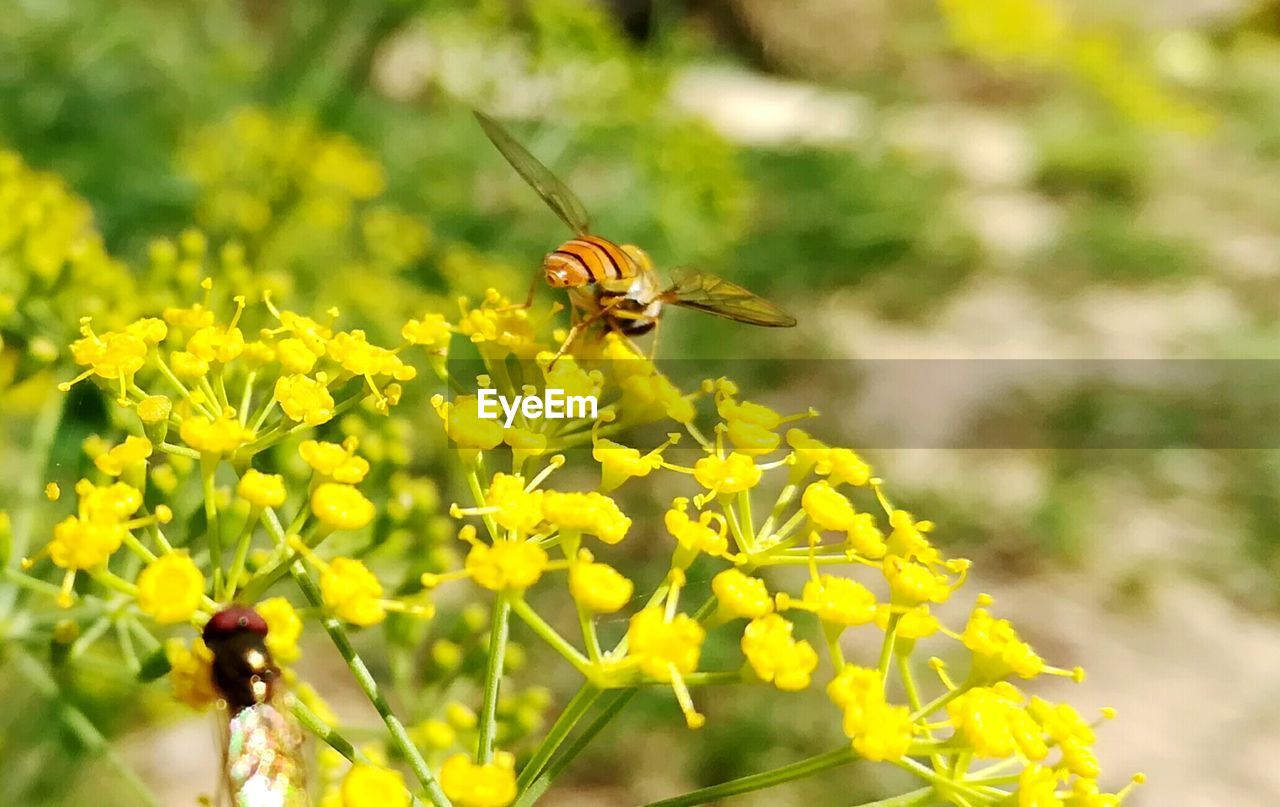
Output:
(233, 404)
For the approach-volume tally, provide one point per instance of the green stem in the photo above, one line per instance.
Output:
(327, 734)
(80, 725)
(578, 705)
(760, 781)
(539, 785)
(208, 467)
(43, 432)
(499, 629)
(242, 554)
(886, 649)
(915, 797)
(360, 671)
(549, 635)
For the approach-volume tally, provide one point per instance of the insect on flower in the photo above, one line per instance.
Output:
(262, 745)
(617, 283)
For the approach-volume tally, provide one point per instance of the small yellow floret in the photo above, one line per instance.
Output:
(171, 588)
(341, 506)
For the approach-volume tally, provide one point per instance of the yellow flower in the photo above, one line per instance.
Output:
(914, 583)
(840, 600)
(653, 395)
(733, 474)
(663, 647)
(305, 399)
(592, 513)
(338, 462)
(517, 509)
(351, 592)
(827, 507)
(341, 506)
(296, 356)
(470, 785)
(261, 490)
(914, 623)
(80, 544)
(114, 355)
(432, 331)
(879, 730)
(750, 425)
(992, 721)
(741, 595)
(188, 365)
(114, 502)
(221, 436)
(191, 673)
(524, 444)
(751, 438)
(132, 451)
(866, 538)
(997, 650)
(434, 734)
(496, 322)
(1037, 786)
(599, 587)
(908, 538)
(776, 656)
(154, 409)
(697, 536)
(371, 786)
(216, 343)
(465, 427)
(170, 589)
(566, 375)
(353, 351)
(506, 565)
(842, 465)
(885, 733)
(619, 463)
(283, 628)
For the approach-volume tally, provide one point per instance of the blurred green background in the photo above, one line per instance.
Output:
(969, 180)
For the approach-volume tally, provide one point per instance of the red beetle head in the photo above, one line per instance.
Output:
(233, 620)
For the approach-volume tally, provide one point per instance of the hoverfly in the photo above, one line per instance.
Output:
(617, 283)
(262, 745)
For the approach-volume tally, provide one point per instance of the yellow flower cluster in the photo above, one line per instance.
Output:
(869, 572)
(53, 267)
(831, 516)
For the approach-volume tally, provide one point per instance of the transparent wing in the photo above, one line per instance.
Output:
(555, 193)
(222, 795)
(264, 755)
(715, 295)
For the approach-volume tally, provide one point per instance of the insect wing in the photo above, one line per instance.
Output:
(555, 193)
(263, 762)
(715, 295)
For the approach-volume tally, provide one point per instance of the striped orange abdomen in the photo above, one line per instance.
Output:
(585, 260)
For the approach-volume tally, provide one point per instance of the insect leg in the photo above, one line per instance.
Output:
(653, 346)
(579, 327)
(528, 300)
